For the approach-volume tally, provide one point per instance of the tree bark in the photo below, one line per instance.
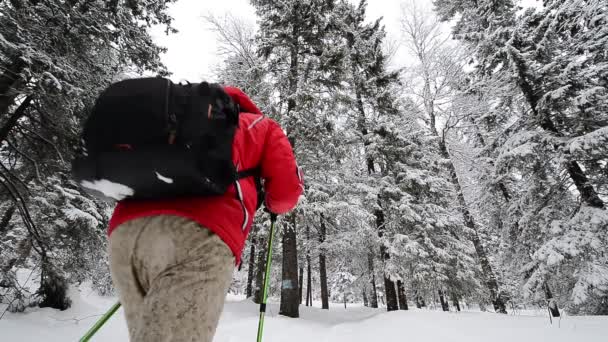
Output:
(8, 126)
(365, 300)
(9, 80)
(259, 270)
(301, 285)
(289, 285)
(391, 294)
(374, 294)
(308, 282)
(251, 268)
(323, 266)
(6, 218)
(455, 301)
(389, 284)
(420, 301)
(444, 303)
(308, 270)
(551, 302)
(402, 296)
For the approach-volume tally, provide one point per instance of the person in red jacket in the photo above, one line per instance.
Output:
(172, 260)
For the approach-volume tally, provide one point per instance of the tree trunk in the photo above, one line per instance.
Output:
(301, 285)
(491, 282)
(308, 270)
(444, 303)
(551, 302)
(391, 294)
(365, 300)
(14, 118)
(53, 290)
(501, 185)
(402, 296)
(289, 291)
(419, 301)
(370, 263)
(455, 301)
(6, 219)
(289, 285)
(308, 282)
(251, 268)
(259, 269)
(588, 194)
(362, 121)
(323, 279)
(323, 267)
(9, 81)
(389, 284)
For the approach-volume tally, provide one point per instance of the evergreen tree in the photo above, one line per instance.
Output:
(56, 56)
(432, 87)
(545, 139)
(370, 86)
(294, 38)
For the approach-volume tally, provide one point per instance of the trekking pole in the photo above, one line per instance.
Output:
(100, 323)
(273, 219)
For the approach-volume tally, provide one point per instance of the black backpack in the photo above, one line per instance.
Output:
(148, 138)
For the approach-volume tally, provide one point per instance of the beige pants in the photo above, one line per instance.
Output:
(172, 277)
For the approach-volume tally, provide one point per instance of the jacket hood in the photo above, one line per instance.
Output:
(242, 100)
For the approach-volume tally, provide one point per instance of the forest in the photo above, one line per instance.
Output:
(471, 170)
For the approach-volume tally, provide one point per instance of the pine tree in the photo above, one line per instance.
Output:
(437, 70)
(294, 38)
(55, 58)
(370, 82)
(548, 129)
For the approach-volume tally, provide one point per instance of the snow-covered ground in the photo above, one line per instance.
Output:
(355, 324)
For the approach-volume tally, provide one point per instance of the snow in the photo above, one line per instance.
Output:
(109, 189)
(52, 81)
(354, 324)
(164, 179)
(75, 214)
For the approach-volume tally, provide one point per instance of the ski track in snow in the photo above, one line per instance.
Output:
(240, 318)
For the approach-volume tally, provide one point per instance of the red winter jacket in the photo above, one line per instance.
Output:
(258, 142)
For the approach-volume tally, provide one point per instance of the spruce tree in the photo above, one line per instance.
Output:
(55, 57)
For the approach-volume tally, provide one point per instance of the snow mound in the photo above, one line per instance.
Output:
(354, 324)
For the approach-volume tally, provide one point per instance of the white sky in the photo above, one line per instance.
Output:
(192, 52)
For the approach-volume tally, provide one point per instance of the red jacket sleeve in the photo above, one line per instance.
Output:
(282, 177)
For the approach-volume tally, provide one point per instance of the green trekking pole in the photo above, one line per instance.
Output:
(273, 219)
(100, 323)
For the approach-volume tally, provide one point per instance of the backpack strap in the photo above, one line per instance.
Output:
(255, 173)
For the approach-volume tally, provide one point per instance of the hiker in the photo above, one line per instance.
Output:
(172, 259)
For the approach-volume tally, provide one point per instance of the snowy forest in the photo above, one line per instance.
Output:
(469, 170)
